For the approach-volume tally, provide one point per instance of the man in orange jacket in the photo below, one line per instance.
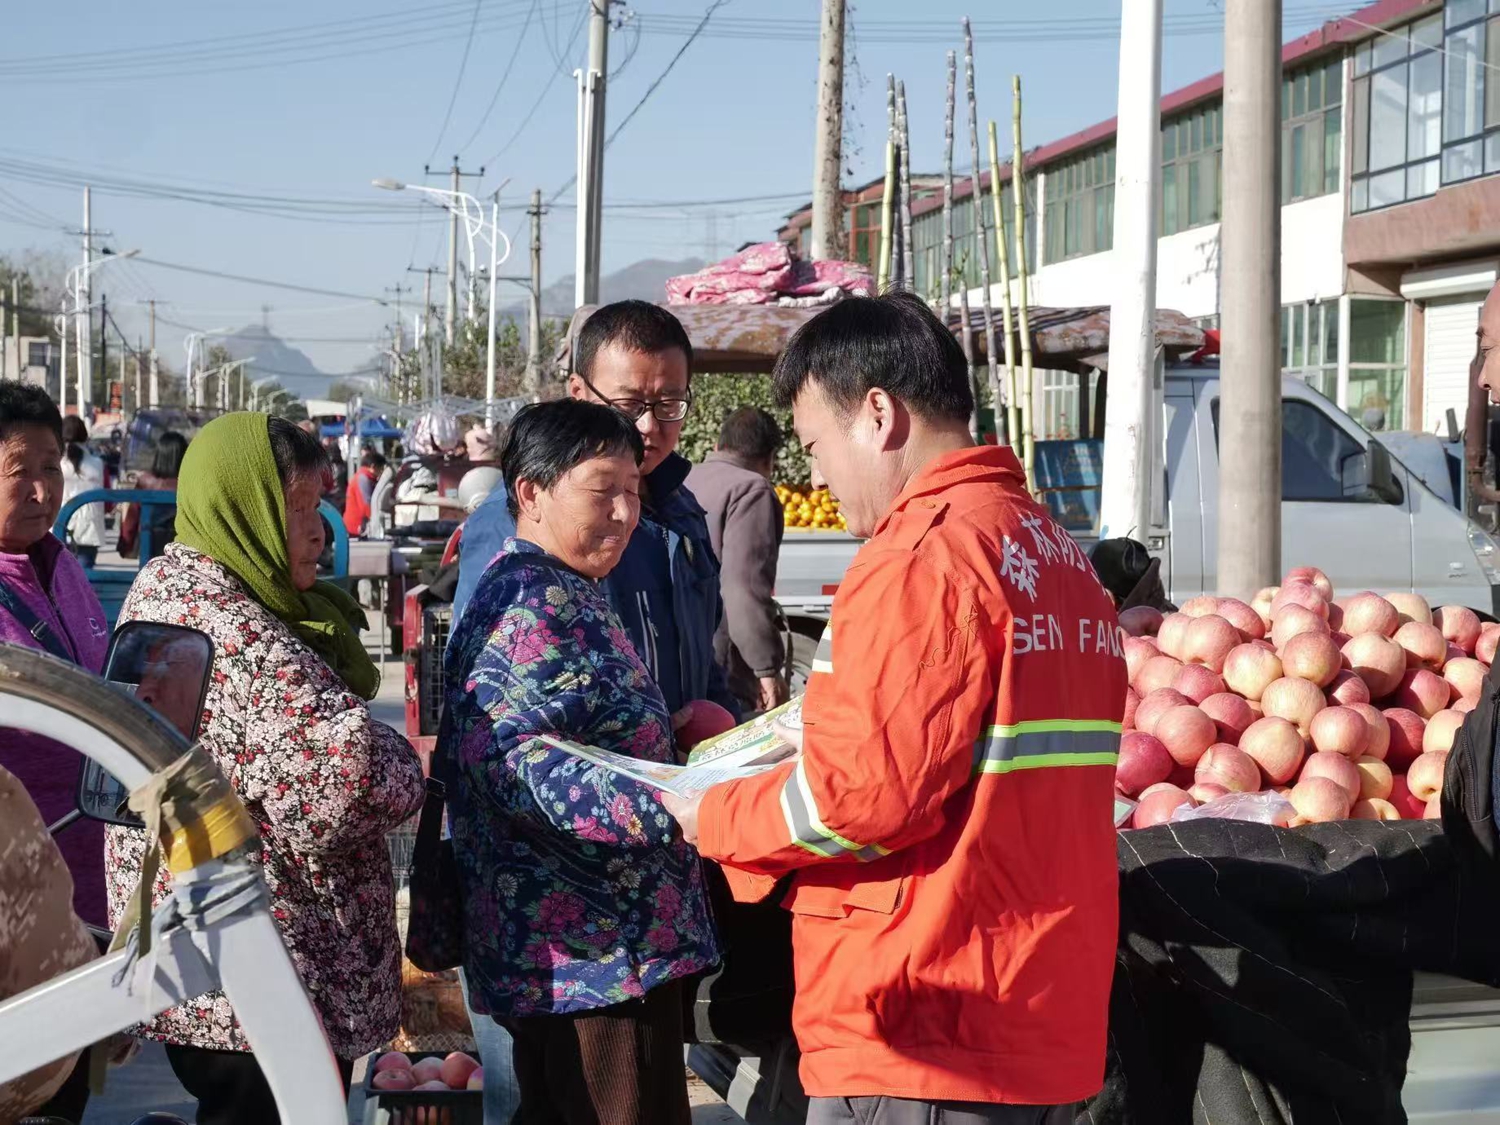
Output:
(948, 822)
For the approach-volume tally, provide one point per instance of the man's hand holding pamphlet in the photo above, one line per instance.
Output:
(748, 749)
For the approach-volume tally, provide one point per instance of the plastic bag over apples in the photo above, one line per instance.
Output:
(1258, 808)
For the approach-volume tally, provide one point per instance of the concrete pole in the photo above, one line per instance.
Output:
(155, 371)
(1129, 425)
(1250, 374)
(828, 144)
(450, 314)
(598, 76)
(489, 342)
(86, 310)
(534, 327)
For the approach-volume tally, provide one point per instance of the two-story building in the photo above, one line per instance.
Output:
(1390, 218)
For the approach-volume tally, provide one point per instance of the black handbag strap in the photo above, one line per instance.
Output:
(430, 823)
(11, 602)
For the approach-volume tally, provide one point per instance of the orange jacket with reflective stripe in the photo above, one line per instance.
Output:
(949, 821)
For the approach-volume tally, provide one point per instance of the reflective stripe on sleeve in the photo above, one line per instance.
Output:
(823, 659)
(1046, 743)
(807, 828)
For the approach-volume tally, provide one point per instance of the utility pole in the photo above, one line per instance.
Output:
(1250, 373)
(828, 144)
(1130, 415)
(103, 353)
(398, 289)
(426, 318)
(140, 351)
(155, 373)
(534, 328)
(450, 314)
(86, 307)
(590, 180)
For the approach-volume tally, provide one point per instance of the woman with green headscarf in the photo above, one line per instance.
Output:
(287, 721)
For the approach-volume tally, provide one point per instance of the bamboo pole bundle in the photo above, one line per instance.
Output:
(1018, 177)
(1002, 244)
(903, 142)
(888, 197)
(945, 277)
(981, 229)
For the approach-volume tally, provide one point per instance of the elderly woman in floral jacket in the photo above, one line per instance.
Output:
(286, 720)
(585, 908)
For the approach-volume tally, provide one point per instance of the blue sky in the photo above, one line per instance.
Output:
(178, 93)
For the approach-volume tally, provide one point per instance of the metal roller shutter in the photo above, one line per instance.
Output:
(1447, 350)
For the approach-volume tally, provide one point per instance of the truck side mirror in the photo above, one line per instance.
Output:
(165, 667)
(1368, 475)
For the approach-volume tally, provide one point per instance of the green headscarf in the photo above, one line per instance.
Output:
(232, 508)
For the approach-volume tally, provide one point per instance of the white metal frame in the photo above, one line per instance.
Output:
(243, 954)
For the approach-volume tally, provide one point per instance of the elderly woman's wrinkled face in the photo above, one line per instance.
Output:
(586, 517)
(304, 529)
(31, 487)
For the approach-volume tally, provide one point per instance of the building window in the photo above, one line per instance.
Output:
(1377, 363)
(1080, 196)
(1312, 138)
(927, 241)
(1191, 166)
(37, 354)
(1397, 116)
(1310, 344)
(1471, 90)
(864, 233)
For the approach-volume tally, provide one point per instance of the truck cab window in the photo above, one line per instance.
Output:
(1313, 452)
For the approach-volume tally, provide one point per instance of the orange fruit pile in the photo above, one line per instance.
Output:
(810, 509)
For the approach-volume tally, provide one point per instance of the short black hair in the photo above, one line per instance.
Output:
(297, 452)
(637, 326)
(547, 439)
(166, 462)
(21, 404)
(372, 459)
(893, 342)
(750, 432)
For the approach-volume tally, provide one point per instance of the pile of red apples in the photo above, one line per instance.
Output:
(1348, 707)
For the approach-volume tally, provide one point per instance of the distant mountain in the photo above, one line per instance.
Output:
(645, 280)
(275, 359)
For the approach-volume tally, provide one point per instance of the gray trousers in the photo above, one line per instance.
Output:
(903, 1111)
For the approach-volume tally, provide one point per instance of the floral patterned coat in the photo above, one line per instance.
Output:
(323, 782)
(579, 890)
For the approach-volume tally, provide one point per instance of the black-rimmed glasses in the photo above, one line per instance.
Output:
(665, 409)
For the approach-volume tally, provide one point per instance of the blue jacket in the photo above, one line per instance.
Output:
(665, 589)
(579, 891)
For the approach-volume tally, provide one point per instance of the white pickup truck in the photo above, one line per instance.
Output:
(1349, 507)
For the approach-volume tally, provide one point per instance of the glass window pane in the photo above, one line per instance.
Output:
(1428, 33)
(1169, 140)
(1388, 188)
(1195, 127)
(1360, 161)
(1492, 65)
(1462, 162)
(1313, 450)
(1299, 162)
(1388, 118)
(1330, 331)
(1299, 94)
(1492, 149)
(1314, 334)
(1315, 90)
(1377, 331)
(1298, 317)
(1286, 335)
(1101, 220)
(1286, 98)
(1425, 107)
(1462, 11)
(1195, 191)
(1389, 48)
(1333, 149)
(1169, 223)
(1333, 83)
(1421, 179)
(1359, 196)
(1382, 390)
(1362, 59)
(1463, 86)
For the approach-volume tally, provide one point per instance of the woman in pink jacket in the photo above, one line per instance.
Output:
(46, 603)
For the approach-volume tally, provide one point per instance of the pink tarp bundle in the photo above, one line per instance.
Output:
(766, 274)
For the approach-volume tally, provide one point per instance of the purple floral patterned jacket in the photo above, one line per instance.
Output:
(579, 890)
(323, 781)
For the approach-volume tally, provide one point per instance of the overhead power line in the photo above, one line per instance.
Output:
(504, 78)
(458, 80)
(257, 280)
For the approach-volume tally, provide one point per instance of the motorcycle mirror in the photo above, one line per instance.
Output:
(164, 667)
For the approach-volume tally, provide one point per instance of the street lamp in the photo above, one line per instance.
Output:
(190, 344)
(77, 278)
(61, 323)
(226, 372)
(460, 203)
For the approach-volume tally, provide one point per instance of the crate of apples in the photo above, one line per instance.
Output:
(1348, 707)
(812, 509)
(427, 1089)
